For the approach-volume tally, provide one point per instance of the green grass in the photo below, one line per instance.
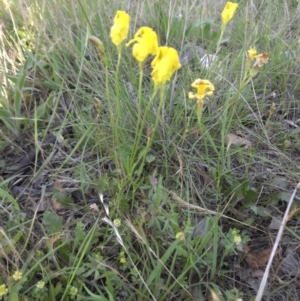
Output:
(183, 191)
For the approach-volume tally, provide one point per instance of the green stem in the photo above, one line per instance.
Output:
(150, 140)
(220, 39)
(140, 98)
(134, 159)
(118, 104)
(201, 126)
(110, 109)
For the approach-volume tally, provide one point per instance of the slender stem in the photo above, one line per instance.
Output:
(220, 39)
(158, 115)
(110, 109)
(140, 132)
(141, 66)
(140, 97)
(118, 104)
(117, 73)
(201, 125)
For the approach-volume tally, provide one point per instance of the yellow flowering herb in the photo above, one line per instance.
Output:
(17, 275)
(252, 54)
(228, 12)
(204, 88)
(165, 64)
(146, 44)
(3, 290)
(119, 30)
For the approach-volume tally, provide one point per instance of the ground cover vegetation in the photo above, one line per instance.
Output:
(149, 150)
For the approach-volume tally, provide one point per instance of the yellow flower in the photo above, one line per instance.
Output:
(237, 239)
(3, 290)
(146, 44)
(164, 65)
(179, 235)
(228, 12)
(73, 291)
(40, 285)
(204, 88)
(252, 54)
(261, 60)
(17, 275)
(123, 260)
(119, 30)
(117, 222)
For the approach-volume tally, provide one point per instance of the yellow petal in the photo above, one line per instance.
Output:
(146, 44)
(204, 88)
(119, 30)
(191, 95)
(164, 65)
(228, 12)
(252, 54)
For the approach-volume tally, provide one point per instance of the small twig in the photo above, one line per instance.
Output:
(278, 238)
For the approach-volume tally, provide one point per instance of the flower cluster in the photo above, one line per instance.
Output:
(258, 59)
(17, 275)
(117, 222)
(3, 290)
(179, 236)
(40, 285)
(73, 291)
(236, 237)
(122, 257)
(166, 61)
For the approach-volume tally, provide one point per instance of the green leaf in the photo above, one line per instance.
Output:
(150, 158)
(249, 221)
(251, 195)
(5, 194)
(14, 297)
(261, 211)
(62, 198)
(52, 221)
(206, 31)
(79, 235)
(43, 110)
(284, 196)
(57, 289)
(279, 182)
(200, 23)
